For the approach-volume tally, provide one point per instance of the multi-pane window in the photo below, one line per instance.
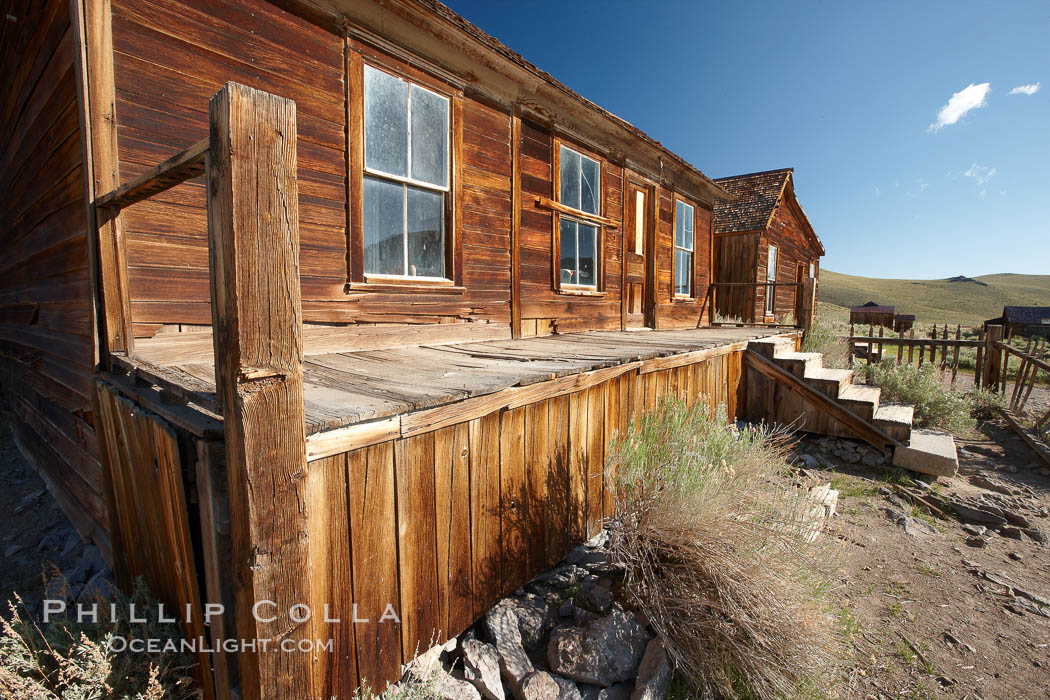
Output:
(771, 278)
(683, 249)
(406, 177)
(580, 190)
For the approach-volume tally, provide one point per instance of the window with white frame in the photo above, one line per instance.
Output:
(683, 249)
(580, 189)
(771, 278)
(406, 179)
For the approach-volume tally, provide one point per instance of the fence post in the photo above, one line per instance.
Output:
(253, 246)
(992, 358)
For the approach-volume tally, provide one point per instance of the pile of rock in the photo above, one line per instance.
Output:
(563, 636)
(817, 454)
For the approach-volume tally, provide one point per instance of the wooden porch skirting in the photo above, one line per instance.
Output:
(435, 513)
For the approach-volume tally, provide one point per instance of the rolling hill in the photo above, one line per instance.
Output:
(965, 300)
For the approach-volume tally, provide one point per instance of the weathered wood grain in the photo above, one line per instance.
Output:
(254, 249)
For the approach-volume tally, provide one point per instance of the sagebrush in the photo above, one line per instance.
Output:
(936, 406)
(65, 659)
(716, 545)
(823, 338)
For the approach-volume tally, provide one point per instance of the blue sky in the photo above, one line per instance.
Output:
(844, 92)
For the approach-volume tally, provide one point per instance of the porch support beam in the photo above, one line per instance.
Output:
(253, 246)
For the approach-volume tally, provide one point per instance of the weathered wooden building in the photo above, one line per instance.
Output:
(333, 305)
(873, 314)
(764, 249)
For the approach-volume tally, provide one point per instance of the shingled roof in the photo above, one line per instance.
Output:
(756, 195)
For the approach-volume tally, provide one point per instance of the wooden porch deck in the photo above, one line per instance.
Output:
(344, 386)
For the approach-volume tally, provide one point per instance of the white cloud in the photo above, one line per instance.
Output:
(980, 173)
(970, 97)
(1029, 89)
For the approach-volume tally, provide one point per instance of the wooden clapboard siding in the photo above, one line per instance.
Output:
(441, 524)
(47, 345)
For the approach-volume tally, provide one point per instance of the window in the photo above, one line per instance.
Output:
(812, 270)
(406, 181)
(771, 277)
(580, 179)
(683, 249)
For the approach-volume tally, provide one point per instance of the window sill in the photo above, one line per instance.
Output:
(395, 286)
(683, 300)
(593, 293)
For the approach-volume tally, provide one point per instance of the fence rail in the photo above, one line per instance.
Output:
(873, 347)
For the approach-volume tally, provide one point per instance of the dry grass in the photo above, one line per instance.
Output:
(824, 338)
(713, 537)
(68, 660)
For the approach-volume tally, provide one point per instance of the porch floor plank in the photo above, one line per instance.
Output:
(347, 387)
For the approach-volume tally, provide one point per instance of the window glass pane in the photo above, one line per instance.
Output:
(429, 137)
(679, 225)
(590, 195)
(384, 227)
(568, 252)
(771, 265)
(688, 210)
(683, 263)
(386, 122)
(426, 233)
(587, 240)
(639, 221)
(570, 178)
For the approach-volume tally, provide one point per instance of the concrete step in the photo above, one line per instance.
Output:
(896, 420)
(830, 381)
(862, 400)
(928, 452)
(799, 363)
(769, 348)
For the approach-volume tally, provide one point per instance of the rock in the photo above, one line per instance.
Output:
(978, 542)
(540, 685)
(447, 687)
(72, 542)
(606, 651)
(1015, 556)
(534, 616)
(481, 667)
(99, 587)
(810, 461)
(596, 597)
(13, 550)
(1013, 533)
(654, 673)
(568, 689)
(912, 526)
(514, 664)
(954, 640)
(975, 530)
(620, 691)
(871, 460)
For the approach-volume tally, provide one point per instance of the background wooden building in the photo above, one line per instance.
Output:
(873, 314)
(1023, 320)
(763, 221)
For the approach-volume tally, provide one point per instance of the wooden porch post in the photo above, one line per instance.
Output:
(992, 358)
(253, 246)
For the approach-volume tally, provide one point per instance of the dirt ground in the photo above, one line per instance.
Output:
(925, 607)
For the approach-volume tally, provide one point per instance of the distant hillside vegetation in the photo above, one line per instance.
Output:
(965, 300)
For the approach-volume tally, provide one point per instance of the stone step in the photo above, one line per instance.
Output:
(830, 381)
(896, 420)
(799, 363)
(862, 400)
(928, 452)
(769, 348)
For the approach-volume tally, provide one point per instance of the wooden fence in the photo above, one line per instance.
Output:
(941, 349)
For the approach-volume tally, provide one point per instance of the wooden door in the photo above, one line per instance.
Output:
(800, 277)
(637, 242)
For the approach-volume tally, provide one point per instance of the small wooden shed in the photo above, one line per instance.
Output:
(765, 249)
(872, 314)
(1023, 320)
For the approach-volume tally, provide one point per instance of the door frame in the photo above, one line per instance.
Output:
(633, 181)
